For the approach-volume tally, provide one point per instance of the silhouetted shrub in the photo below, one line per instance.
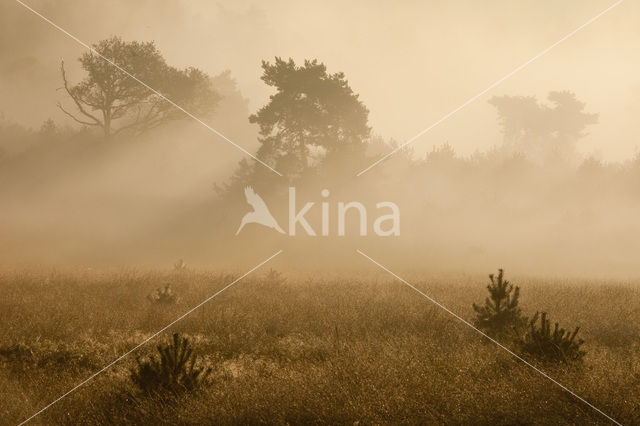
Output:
(500, 316)
(559, 346)
(164, 296)
(274, 277)
(174, 371)
(16, 354)
(180, 265)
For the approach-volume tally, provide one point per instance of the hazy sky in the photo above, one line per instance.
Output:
(410, 61)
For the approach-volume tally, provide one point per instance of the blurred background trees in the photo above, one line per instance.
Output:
(113, 101)
(541, 132)
(534, 189)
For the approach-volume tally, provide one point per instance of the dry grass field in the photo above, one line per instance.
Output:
(308, 350)
(447, 138)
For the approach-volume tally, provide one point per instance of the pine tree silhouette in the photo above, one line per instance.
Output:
(557, 346)
(174, 371)
(500, 316)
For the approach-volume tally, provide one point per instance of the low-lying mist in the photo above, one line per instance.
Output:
(90, 196)
(147, 201)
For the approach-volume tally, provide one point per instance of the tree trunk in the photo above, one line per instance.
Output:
(107, 124)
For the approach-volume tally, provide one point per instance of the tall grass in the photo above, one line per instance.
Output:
(307, 350)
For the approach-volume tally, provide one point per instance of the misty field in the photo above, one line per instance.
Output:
(308, 349)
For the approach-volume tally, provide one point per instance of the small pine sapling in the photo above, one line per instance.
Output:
(557, 346)
(274, 277)
(174, 371)
(500, 316)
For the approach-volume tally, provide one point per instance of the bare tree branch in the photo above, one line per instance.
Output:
(76, 119)
(97, 122)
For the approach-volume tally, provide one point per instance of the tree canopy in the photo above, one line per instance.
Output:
(110, 99)
(313, 119)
